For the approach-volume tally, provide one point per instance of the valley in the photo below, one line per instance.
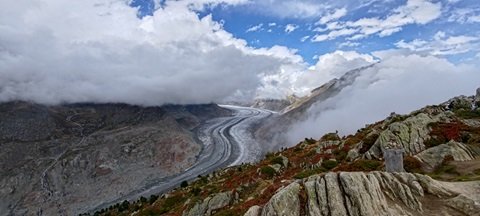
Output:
(226, 141)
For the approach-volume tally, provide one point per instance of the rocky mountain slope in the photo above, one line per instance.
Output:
(276, 105)
(57, 160)
(346, 175)
(271, 131)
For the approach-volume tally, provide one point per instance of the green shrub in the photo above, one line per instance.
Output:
(309, 141)
(367, 165)
(468, 113)
(152, 199)
(307, 173)
(196, 191)
(340, 154)
(329, 164)
(171, 202)
(434, 141)
(368, 142)
(330, 137)
(184, 184)
(277, 160)
(123, 206)
(269, 155)
(267, 171)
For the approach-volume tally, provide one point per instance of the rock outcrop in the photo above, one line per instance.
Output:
(381, 193)
(285, 202)
(409, 134)
(210, 204)
(459, 152)
(271, 104)
(253, 211)
(374, 193)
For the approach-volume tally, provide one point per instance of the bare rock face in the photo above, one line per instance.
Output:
(64, 160)
(253, 211)
(271, 104)
(409, 134)
(381, 193)
(459, 151)
(210, 204)
(284, 203)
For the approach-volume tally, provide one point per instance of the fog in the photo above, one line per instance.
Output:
(401, 82)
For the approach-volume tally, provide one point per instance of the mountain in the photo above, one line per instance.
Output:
(272, 130)
(58, 160)
(347, 175)
(272, 104)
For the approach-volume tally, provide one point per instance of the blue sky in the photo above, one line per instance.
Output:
(267, 22)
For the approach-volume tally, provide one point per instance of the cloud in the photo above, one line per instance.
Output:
(464, 15)
(401, 83)
(330, 66)
(348, 44)
(303, 39)
(333, 34)
(101, 52)
(413, 12)
(290, 28)
(288, 8)
(255, 28)
(441, 44)
(335, 15)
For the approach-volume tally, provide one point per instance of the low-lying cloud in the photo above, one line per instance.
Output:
(402, 82)
(55, 51)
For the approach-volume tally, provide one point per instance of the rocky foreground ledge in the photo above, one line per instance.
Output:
(375, 193)
(359, 193)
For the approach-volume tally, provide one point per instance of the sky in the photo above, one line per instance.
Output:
(156, 52)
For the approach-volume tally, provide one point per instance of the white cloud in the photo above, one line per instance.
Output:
(335, 15)
(290, 28)
(289, 8)
(413, 12)
(330, 66)
(101, 52)
(464, 15)
(400, 83)
(441, 44)
(303, 39)
(348, 44)
(334, 34)
(255, 28)
(272, 24)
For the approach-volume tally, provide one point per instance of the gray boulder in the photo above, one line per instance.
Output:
(210, 204)
(382, 193)
(409, 134)
(285, 202)
(459, 151)
(253, 211)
